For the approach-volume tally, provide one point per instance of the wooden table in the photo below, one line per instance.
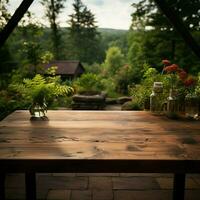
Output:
(98, 141)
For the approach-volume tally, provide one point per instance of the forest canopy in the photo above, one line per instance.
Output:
(119, 57)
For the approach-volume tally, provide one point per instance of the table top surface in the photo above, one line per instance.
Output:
(106, 135)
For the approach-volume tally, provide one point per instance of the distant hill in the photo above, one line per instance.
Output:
(111, 30)
(102, 30)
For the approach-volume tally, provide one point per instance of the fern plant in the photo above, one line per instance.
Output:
(40, 91)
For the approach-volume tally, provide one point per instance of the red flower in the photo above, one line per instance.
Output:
(166, 62)
(182, 74)
(189, 82)
(171, 68)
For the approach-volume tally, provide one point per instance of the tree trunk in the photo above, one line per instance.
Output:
(173, 49)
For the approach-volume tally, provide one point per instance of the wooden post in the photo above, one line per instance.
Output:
(178, 24)
(30, 180)
(12, 23)
(179, 187)
(2, 186)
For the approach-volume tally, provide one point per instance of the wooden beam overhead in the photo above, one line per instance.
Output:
(178, 24)
(12, 23)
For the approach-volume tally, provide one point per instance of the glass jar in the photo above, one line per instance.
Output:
(191, 106)
(156, 98)
(172, 102)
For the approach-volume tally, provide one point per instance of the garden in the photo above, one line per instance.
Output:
(148, 67)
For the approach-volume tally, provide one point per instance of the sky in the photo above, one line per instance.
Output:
(114, 14)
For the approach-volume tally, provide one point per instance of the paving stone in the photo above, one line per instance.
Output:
(100, 183)
(167, 183)
(97, 174)
(130, 186)
(143, 195)
(65, 174)
(42, 192)
(19, 192)
(197, 180)
(192, 194)
(15, 193)
(58, 195)
(192, 184)
(44, 174)
(145, 174)
(135, 183)
(81, 195)
(102, 195)
(193, 175)
(15, 181)
(66, 183)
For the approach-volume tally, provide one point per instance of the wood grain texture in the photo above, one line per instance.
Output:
(99, 141)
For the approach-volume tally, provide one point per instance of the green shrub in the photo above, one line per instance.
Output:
(64, 102)
(88, 83)
(8, 104)
(142, 91)
(131, 105)
(110, 87)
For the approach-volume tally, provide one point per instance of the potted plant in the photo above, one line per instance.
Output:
(39, 92)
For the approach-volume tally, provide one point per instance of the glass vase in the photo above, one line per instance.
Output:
(191, 106)
(156, 98)
(38, 110)
(172, 102)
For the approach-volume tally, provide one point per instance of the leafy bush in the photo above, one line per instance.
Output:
(64, 102)
(7, 104)
(142, 91)
(110, 87)
(94, 68)
(197, 90)
(88, 83)
(131, 105)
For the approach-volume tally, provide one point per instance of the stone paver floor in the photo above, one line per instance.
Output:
(82, 186)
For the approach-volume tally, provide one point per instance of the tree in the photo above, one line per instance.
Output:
(114, 60)
(53, 9)
(29, 28)
(83, 34)
(147, 14)
(4, 14)
(5, 55)
(26, 41)
(158, 33)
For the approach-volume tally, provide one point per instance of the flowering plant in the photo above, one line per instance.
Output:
(171, 70)
(179, 77)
